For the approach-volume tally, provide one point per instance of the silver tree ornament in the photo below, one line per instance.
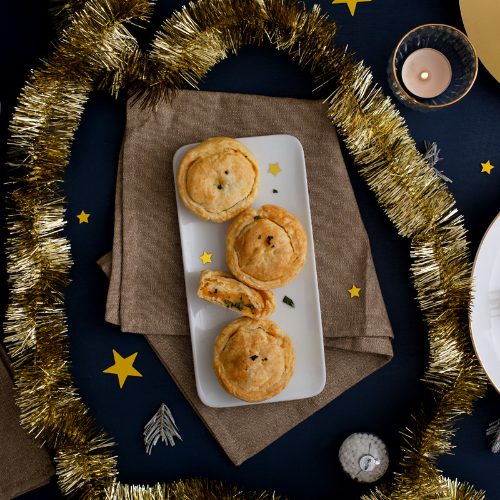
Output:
(494, 430)
(161, 425)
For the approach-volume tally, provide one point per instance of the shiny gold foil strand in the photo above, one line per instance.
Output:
(441, 274)
(51, 410)
(190, 489)
(184, 51)
(403, 201)
(45, 394)
(193, 40)
(85, 466)
(38, 256)
(98, 37)
(42, 130)
(446, 490)
(379, 143)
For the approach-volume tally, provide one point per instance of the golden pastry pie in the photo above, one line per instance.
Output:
(226, 291)
(253, 359)
(266, 248)
(218, 179)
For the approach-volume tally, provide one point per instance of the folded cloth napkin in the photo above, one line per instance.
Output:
(24, 466)
(146, 257)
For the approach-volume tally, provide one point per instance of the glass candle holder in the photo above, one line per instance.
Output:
(451, 52)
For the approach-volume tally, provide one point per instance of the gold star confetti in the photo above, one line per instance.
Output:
(487, 167)
(83, 217)
(274, 169)
(354, 291)
(206, 257)
(350, 3)
(123, 368)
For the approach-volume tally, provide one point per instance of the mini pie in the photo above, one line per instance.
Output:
(218, 179)
(224, 290)
(253, 359)
(266, 248)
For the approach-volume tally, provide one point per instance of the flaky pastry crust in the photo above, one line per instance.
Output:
(266, 248)
(225, 290)
(218, 179)
(253, 359)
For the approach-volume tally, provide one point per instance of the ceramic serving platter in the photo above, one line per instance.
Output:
(287, 189)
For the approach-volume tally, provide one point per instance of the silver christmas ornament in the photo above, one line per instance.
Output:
(364, 457)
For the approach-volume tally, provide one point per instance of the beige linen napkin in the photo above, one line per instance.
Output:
(146, 258)
(24, 466)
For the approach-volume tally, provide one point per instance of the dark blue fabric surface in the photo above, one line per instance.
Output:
(302, 464)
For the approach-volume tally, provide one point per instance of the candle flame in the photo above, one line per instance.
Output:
(424, 75)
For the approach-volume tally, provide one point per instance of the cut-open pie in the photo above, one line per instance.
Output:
(224, 290)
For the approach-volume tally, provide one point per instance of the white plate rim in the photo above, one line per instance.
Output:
(475, 337)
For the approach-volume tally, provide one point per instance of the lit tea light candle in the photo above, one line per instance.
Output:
(426, 73)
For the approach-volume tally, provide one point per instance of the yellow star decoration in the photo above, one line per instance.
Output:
(354, 291)
(350, 3)
(206, 257)
(487, 167)
(274, 169)
(83, 217)
(123, 368)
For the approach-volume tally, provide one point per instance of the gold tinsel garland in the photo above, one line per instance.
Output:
(96, 50)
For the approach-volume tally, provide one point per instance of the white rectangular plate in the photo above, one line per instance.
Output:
(302, 323)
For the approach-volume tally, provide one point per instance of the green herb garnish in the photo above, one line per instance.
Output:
(289, 301)
(268, 239)
(275, 190)
(257, 217)
(264, 359)
(259, 237)
(254, 357)
(219, 186)
(239, 306)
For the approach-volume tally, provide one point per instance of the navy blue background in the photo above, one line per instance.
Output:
(302, 464)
